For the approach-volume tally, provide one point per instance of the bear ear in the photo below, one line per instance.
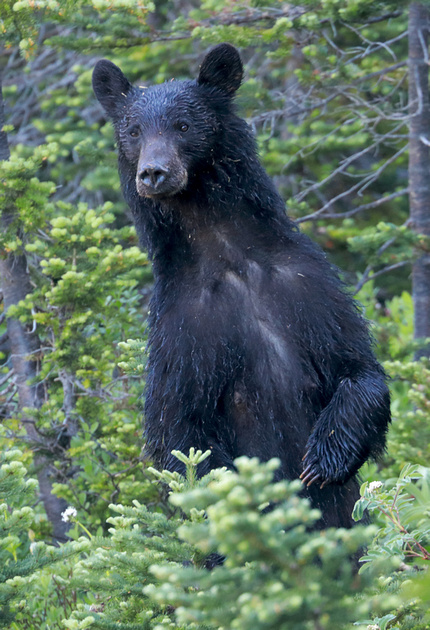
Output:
(222, 68)
(110, 87)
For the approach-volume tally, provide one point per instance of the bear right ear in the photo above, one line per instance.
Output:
(110, 87)
(222, 68)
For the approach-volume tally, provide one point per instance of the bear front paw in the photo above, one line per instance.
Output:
(324, 470)
(312, 472)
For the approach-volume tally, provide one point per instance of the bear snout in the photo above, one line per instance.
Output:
(153, 175)
(160, 175)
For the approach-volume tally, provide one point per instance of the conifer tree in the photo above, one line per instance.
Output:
(269, 570)
(21, 559)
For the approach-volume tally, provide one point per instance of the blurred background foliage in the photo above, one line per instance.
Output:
(327, 93)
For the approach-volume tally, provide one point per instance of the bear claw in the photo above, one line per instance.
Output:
(309, 476)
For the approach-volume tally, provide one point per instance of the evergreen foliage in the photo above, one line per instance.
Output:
(277, 574)
(85, 300)
(152, 570)
(21, 559)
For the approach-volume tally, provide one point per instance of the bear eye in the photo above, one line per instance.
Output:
(134, 132)
(183, 127)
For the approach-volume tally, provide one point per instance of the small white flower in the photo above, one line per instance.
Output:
(374, 627)
(69, 514)
(373, 486)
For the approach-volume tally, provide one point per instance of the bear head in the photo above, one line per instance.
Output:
(166, 132)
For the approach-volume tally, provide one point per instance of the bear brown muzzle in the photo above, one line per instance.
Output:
(160, 172)
(153, 175)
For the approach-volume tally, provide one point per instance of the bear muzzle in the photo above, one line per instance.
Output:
(160, 173)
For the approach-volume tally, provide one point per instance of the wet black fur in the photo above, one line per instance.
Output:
(255, 347)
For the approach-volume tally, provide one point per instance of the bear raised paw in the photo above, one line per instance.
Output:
(255, 348)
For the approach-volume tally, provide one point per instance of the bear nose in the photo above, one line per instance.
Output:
(152, 175)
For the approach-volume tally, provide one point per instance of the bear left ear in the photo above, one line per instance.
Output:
(110, 87)
(222, 68)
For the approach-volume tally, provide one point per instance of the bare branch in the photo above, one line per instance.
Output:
(343, 165)
(362, 208)
(366, 277)
(6, 378)
(359, 187)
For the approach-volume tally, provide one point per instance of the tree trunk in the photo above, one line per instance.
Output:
(419, 162)
(24, 348)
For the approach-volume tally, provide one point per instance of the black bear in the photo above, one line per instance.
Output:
(255, 348)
